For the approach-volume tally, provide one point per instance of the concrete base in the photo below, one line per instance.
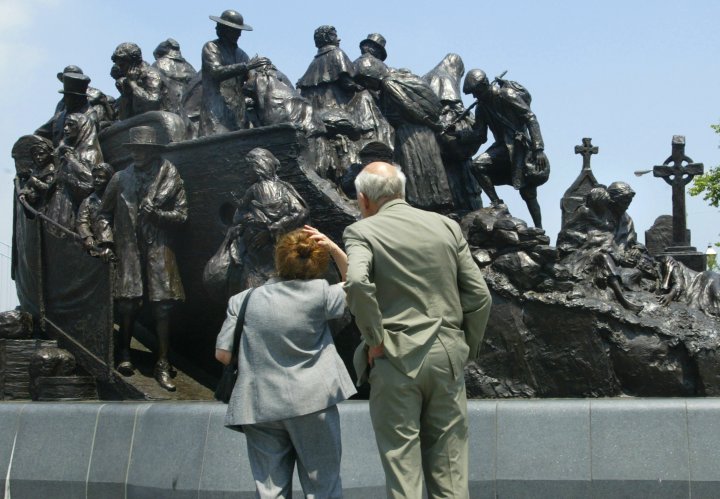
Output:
(518, 448)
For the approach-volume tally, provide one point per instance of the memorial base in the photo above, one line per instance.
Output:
(540, 448)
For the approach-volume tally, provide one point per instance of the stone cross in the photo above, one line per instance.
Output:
(586, 150)
(678, 176)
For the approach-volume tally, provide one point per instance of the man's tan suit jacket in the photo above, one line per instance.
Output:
(412, 279)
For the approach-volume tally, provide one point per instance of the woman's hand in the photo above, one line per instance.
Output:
(337, 254)
(320, 238)
(223, 356)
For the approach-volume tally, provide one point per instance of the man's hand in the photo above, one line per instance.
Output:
(375, 352)
(146, 207)
(633, 254)
(541, 160)
(258, 62)
(450, 130)
(665, 300)
(88, 243)
(107, 255)
(235, 231)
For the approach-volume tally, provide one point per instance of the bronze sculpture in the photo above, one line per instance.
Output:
(176, 72)
(329, 87)
(269, 208)
(328, 81)
(601, 243)
(35, 168)
(444, 79)
(78, 152)
(75, 100)
(436, 139)
(374, 45)
(413, 109)
(224, 70)
(517, 157)
(276, 101)
(87, 222)
(103, 105)
(140, 207)
(700, 290)
(140, 85)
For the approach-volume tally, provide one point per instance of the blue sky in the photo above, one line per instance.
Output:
(628, 74)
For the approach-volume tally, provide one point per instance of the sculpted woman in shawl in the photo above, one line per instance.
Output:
(270, 207)
(78, 152)
(412, 108)
(444, 79)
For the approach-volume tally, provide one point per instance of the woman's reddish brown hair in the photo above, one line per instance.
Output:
(297, 256)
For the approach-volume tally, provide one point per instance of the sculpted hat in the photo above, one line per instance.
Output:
(474, 79)
(69, 69)
(75, 84)
(378, 41)
(143, 137)
(375, 151)
(233, 19)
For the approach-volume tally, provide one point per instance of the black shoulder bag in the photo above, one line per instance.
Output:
(230, 372)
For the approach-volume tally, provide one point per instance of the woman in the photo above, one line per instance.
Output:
(290, 377)
(78, 152)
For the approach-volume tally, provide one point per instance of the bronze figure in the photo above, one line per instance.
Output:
(225, 68)
(517, 157)
(141, 206)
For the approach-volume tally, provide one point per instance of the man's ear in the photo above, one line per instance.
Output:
(363, 201)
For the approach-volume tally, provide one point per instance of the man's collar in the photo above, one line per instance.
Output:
(325, 49)
(391, 203)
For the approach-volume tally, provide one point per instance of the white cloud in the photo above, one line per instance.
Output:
(19, 49)
(20, 14)
(15, 14)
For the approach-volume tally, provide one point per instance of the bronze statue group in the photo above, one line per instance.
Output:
(419, 300)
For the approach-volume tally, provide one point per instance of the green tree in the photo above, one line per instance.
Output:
(708, 184)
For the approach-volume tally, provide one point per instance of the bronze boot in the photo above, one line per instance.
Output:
(162, 375)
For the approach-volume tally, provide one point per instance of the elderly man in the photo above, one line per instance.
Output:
(140, 85)
(225, 68)
(421, 305)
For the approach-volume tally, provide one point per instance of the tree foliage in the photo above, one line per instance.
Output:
(708, 184)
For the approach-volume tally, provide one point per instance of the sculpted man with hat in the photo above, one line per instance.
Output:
(225, 68)
(74, 100)
(101, 103)
(141, 206)
(374, 45)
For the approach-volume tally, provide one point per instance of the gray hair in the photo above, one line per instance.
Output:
(378, 187)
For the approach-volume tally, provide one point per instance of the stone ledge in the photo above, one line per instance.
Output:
(542, 448)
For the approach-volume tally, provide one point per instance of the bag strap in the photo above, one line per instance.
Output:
(239, 323)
